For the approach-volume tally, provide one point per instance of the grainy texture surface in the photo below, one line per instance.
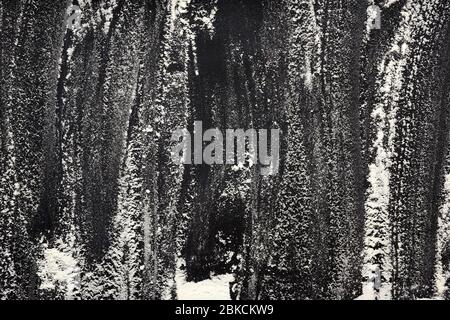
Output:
(92, 206)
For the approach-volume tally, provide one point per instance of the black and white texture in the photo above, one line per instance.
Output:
(93, 207)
